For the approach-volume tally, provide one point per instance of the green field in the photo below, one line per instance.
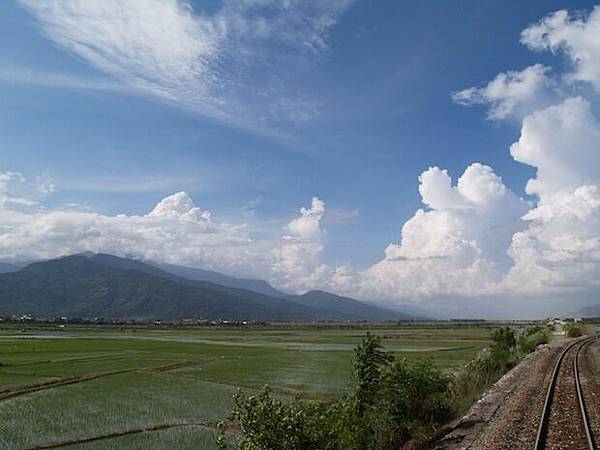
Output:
(111, 383)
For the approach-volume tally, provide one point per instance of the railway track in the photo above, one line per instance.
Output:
(564, 421)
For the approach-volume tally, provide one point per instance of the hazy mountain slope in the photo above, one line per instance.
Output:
(106, 286)
(334, 307)
(195, 274)
(357, 310)
(411, 310)
(588, 311)
(90, 285)
(6, 267)
(278, 302)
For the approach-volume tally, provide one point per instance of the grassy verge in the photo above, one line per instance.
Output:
(491, 364)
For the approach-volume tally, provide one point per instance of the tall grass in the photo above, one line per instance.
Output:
(491, 364)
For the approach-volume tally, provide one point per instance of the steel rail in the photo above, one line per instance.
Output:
(540, 441)
(584, 416)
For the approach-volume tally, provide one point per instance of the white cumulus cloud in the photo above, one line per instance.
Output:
(577, 36)
(563, 143)
(510, 93)
(175, 231)
(457, 246)
(296, 262)
(561, 246)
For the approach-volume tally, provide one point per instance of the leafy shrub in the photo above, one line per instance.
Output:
(412, 399)
(572, 330)
(533, 337)
(389, 402)
(268, 423)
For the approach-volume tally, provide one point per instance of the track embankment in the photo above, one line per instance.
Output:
(508, 415)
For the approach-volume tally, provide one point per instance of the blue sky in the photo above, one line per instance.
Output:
(350, 108)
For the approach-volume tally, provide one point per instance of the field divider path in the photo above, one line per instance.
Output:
(116, 434)
(28, 389)
(14, 392)
(96, 358)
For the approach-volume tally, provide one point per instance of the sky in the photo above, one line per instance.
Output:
(444, 155)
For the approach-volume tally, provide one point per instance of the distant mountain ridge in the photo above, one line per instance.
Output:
(101, 285)
(7, 267)
(332, 303)
(337, 304)
(588, 311)
(196, 274)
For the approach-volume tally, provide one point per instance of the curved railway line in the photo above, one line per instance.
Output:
(564, 422)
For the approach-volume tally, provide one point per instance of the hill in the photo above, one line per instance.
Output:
(344, 305)
(111, 287)
(7, 268)
(192, 273)
(588, 311)
(331, 306)
(101, 285)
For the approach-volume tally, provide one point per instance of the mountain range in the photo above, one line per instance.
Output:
(101, 285)
(7, 267)
(588, 311)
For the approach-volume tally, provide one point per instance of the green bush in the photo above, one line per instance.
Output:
(572, 330)
(412, 399)
(367, 365)
(533, 337)
(389, 402)
(268, 423)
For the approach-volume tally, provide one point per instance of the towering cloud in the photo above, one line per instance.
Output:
(458, 246)
(296, 262)
(477, 238)
(561, 247)
(562, 143)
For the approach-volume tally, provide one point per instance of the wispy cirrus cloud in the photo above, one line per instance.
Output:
(225, 65)
(60, 80)
(18, 191)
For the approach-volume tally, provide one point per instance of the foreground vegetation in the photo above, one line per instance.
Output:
(162, 387)
(390, 400)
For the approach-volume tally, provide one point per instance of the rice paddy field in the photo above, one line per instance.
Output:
(97, 387)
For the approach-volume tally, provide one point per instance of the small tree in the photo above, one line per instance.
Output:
(503, 348)
(412, 398)
(367, 365)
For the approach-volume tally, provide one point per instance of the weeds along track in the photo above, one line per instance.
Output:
(564, 421)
